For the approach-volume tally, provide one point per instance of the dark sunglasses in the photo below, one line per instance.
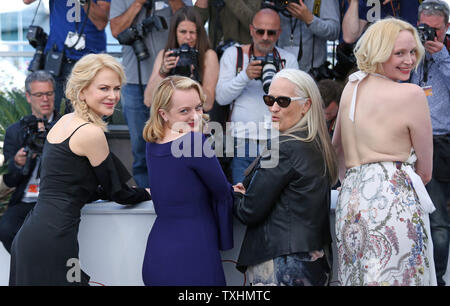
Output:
(261, 32)
(282, 101)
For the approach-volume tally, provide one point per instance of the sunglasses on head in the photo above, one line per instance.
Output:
(282, 101)
(261, 32)
(435, 6)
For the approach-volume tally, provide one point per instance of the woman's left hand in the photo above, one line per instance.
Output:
(239, 188)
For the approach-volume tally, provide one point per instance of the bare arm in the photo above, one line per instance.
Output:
(98, 13)
(90, 141)
(175, 5)
(421, 133)
(337, 144)
(28, 1)
(124, 21)
(352, 26)
(210, 78)
(201, 3)
(154, 79)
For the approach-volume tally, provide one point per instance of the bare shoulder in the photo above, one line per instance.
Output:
(411, 93)
(87, 139)
(210, 54)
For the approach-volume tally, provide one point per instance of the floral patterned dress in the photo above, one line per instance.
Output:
(382, 227)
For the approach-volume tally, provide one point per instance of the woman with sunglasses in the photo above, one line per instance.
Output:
(186, 28)
(286, 205)
(383, 140)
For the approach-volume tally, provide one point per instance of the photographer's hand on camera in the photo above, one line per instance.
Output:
(20, 158)
(433, 46)
(169, 62)
(254, 70)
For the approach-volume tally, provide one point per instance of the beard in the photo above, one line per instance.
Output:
(264, 47)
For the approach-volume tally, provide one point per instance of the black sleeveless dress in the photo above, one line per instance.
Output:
(45, 250)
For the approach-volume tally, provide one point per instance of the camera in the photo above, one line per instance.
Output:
(270, 66)
(134, 35)
(38, 39)
(187, 64)
(426, 33)
(34, 138)
(278, 5)
(321, 72)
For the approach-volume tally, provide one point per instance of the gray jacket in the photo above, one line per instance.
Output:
(323, 28)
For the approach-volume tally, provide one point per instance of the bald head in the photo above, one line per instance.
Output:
(265, 31)
(266, 14)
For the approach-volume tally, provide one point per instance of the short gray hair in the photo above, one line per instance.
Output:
(38, 76)
(435, 8)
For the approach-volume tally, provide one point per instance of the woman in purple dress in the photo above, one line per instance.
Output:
(192, 198)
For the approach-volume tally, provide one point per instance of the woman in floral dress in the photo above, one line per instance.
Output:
(383, 139)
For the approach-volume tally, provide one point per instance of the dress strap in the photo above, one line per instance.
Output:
(77, 129)
(355, 77)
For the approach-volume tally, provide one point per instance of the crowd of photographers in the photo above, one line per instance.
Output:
(252, 40)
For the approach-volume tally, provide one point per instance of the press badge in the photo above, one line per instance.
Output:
(428, 90)
(72, 39)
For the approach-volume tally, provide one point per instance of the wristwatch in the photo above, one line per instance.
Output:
(83, 2)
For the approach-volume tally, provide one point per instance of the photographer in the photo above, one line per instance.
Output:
(241, 86)
(73, 34)
(23, 141)
(187, 53)
(433, 75)
(307, 26)
(131, 14)
(228, 19)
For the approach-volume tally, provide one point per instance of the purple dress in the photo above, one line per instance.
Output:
(193, 202)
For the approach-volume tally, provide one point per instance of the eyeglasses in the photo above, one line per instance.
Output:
(282, 101)
(261, 32)
(40, 94)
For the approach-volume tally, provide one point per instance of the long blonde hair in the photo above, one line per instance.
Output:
(376, 44)
(162, 99)
(313, 122)
(84, 71)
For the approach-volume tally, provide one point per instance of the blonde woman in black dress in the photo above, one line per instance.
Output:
(76, 166)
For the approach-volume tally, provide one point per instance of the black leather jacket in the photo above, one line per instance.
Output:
(286, 208)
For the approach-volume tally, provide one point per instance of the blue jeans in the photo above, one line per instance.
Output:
(136, 114)
(440, 226)
(245, 152)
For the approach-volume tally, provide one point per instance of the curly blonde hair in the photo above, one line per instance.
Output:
(84, 71)
(376, 44)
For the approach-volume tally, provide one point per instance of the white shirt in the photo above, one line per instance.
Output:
(248, 109)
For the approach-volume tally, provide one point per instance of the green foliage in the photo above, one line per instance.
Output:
(13, 106)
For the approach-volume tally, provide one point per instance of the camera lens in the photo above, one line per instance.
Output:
(268, 71)
(140, 49)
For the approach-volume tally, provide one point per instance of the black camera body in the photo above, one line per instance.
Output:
(34, 138)
(38, 39)
(270, 66)
(277, 5)
(426, 33)
(134, 35)
(187, 65)
(322, 72)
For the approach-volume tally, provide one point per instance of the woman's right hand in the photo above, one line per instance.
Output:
(168, 63)
(239, 188)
